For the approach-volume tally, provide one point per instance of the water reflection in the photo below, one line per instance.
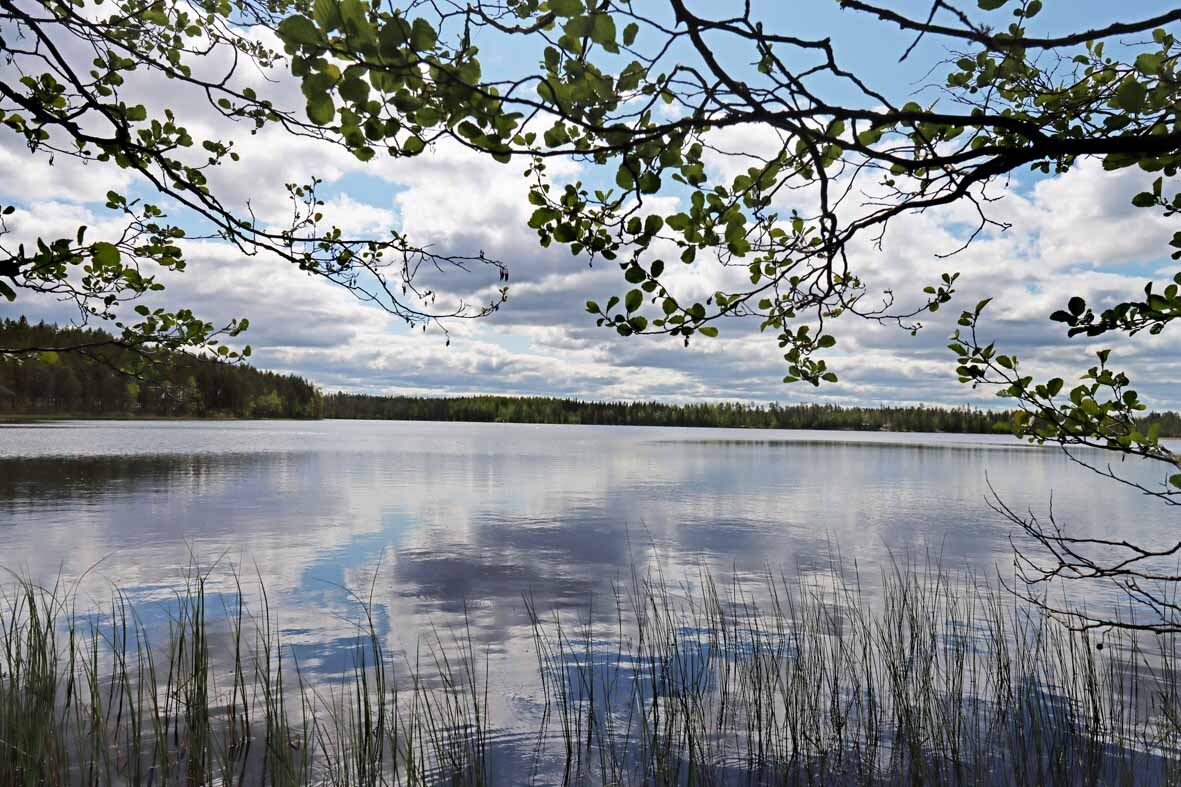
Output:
(475, 512)
(458, 524)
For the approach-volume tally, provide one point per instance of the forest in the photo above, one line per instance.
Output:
(185, 385)
(550, 410)
(176, 384)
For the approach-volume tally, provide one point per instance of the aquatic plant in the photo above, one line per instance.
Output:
(927, 679)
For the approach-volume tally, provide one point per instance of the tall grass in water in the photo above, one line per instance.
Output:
(91, 700)
(922, 681)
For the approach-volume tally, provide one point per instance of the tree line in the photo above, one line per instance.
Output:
(94, 382)
(551, 410)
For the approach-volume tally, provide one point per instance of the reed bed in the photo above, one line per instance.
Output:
(926, 679)
(929, 682)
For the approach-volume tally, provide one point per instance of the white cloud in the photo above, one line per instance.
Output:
(1075, 233)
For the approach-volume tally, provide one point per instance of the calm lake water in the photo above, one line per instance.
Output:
(450, 525)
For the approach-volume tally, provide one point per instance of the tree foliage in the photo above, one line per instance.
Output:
(640, 94)
(77, 82)
(91, 381)
(642, 91)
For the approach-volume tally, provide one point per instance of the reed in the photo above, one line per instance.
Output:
(927, 682)
(92, 700)
(927, 679)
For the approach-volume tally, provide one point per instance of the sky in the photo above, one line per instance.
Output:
(1075, 233)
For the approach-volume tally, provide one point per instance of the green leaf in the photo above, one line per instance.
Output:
(708, 330)
(1130, 95)
(991, 5)
(105, 254)
(629, 33)
(392, 36)
(1149, 63)
(1145, 199)
(48, 357)
(871, 136)
(298, 30)
(649, 183)
(566, 7)
(321, 110)
(326, 13)
(1175, 480)
(422, 35)
(413, 146)
(633, 300)
(602, 29)
(354, 91)
(352, 13)
(565, 232)
(624, 178)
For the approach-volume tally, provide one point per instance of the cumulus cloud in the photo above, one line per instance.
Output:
(1070, 234)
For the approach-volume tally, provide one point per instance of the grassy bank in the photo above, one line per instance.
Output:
(923, 682)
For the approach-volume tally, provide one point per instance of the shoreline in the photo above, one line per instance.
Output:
(14, 419)
(30, 418)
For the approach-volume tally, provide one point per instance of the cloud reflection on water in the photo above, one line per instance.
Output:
(454, 525)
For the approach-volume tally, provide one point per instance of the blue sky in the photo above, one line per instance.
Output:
(1071, 233)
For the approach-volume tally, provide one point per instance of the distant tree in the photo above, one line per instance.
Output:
(547, 410)
(95, 384)
(267, 405)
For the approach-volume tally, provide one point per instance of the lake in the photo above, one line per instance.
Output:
(454, 526)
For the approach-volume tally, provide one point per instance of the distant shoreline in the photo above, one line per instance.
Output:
(15, 419)
(34, 417)
(72, 387)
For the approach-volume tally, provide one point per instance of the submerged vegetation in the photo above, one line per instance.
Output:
(929, 680)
